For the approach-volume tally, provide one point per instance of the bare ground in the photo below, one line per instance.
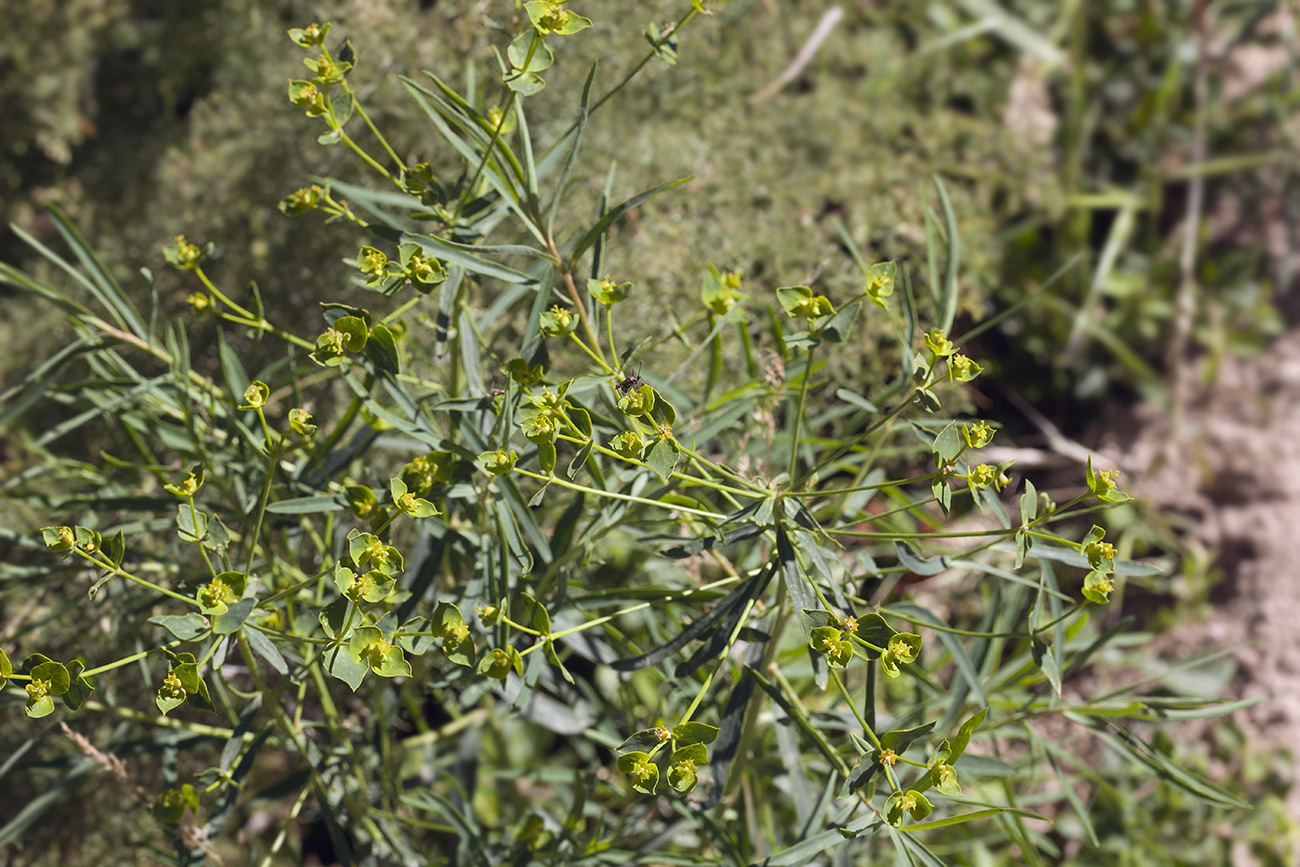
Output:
(1230, 469)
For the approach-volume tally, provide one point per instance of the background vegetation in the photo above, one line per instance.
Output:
(1060, 128)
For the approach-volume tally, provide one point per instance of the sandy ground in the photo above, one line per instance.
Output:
(1230, 470)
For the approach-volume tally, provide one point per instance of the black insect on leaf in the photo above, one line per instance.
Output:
(631, 382)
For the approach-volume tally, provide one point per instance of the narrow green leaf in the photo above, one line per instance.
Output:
(109, 292)
(970, 817)
(697, 627)
(1130, 746)
(236, 377)
(614, 215)
(307, 505)
(913, 563)
(264, 647)
(579, 128)
(947, 300)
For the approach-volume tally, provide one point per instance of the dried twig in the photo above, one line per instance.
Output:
(109, 763)
(1057, 442)
(1185, 301)
(192, 835)
(819, 35)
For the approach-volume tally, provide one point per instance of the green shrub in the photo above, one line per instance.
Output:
(547, 561)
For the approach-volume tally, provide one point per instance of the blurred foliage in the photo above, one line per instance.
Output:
(1059, 126)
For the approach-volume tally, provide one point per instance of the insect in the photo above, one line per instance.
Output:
(633, 381)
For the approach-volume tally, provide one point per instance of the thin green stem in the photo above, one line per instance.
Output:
(866, 729)
(1049, 537)
(356, 103)
(1073, 609)
(798, 415)
(609, 336)
(594, 357)
(118, 570)
(203, 277)
(878, 486)
(725, 472)
(685, 19)
(349, 416)
(645, 501)
(285, 826)
(266, 494)
(680, 477)
(218, 732)
(264, 325)
(750, 725)
(958, 534)
(726, 653)
(468, 193)
(337, 127)
(508, 622)
(407, 305)
(292, 589)
(130, 659)
(801, 712)
(289, 636)
(194, 521)
(641, 606)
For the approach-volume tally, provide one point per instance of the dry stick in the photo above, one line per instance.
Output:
(823, 29)
(1056, 441)
(1185, 302)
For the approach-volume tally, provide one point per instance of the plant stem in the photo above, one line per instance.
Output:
(641, 606)
(264, 325)
(573, 486)
(798, 416)
(708, 681)
(128, 660)
(203, 277)
(118, 570)
(356, 103)
(609, 336)
(587, 349)
(266, 493)
(866, 729)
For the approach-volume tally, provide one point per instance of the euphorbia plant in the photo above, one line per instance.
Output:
(657, 572)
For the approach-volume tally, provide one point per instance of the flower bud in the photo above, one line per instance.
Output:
(256, 395)
(181, 254)
(200, 301)
(371, 261)
(557, 322)
(937, 342)
(300, 421)
(301, 201)
(638, 402)
(307, 96)
(58, 538)
(608, 292)
(540, 428)
(499, 462)
(962, 369)
(628, 444)
(977, 435)
(309, 36)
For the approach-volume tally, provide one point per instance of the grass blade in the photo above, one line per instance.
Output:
(583, 113)
(947, 299)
